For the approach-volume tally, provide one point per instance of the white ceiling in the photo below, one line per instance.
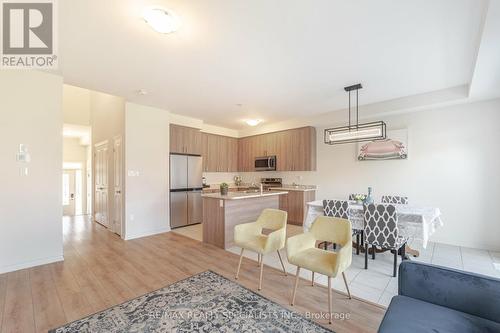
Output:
(281, 59)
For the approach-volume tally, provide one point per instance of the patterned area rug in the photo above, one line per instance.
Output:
(206, 302)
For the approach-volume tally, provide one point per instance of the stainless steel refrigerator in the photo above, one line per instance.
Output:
(186, 206)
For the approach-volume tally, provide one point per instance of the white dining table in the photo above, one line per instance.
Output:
(414, 222)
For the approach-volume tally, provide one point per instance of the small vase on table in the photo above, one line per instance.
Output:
(369, 197)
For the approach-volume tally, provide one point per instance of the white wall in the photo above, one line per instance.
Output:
(453, 164)
(76, 105)
(146, 152)
(30, 206)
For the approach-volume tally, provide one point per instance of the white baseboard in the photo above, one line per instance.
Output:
(146, 233)
(28, 264)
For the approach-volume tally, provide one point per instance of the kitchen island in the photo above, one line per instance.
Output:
(221, 213)
(295, 202)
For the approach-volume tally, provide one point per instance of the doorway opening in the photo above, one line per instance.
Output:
(72, 191)
(93, 153)
(77, 171)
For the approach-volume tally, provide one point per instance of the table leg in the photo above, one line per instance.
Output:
(357, 244)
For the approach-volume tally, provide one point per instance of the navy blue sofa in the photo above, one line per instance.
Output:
(439, 299)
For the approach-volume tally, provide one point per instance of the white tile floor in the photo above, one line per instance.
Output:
(377, 284)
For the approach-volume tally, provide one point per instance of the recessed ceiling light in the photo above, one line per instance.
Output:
(142, 92)
(253, 122)
(161, 20)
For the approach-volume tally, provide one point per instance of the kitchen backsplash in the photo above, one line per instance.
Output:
(303, 178)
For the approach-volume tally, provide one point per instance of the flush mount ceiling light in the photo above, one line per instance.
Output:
(161, 20)
(355, 133)
(253, 122)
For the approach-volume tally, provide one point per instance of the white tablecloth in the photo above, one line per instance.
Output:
(414, 222)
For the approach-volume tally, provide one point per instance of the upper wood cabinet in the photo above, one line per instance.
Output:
(232, 154)
(295, 149)
(220, 153)
(299, 149)
(185, 140)
(245, 155)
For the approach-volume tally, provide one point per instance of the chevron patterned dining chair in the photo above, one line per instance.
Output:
(340, 209)
(381, 230)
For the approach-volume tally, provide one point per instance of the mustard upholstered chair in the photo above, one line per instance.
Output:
(249, 236)
(302, 251)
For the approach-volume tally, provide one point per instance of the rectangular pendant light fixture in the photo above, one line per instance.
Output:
(355, 133)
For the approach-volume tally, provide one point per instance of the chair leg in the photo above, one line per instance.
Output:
(334, 246)
(258, 259)
(395, 262)
(282, 265)
(239, 264)
(403, 252)
(357, 244)
(261, 269)
(312, 279)
(346, 286)
(366, 256)
(329, 300)
(326, 245)
(295, 286)
(362, 238)
(373, 252)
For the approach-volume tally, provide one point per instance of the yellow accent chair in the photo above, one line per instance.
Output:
(249, 236)
(302, 251)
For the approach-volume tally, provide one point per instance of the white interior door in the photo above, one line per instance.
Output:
(101, 184)
(68, 192)
(118, 186)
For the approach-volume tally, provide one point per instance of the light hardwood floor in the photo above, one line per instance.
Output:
(101, 270)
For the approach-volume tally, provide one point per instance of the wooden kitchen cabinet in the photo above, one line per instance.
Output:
(295, 149)
(232, 156)
(267, 144)
(185, 140)
(303, 149)
(294, 203)
(220, 153)
(245, 155)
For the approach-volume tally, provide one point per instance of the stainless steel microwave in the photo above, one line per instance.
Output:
(265, 163)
